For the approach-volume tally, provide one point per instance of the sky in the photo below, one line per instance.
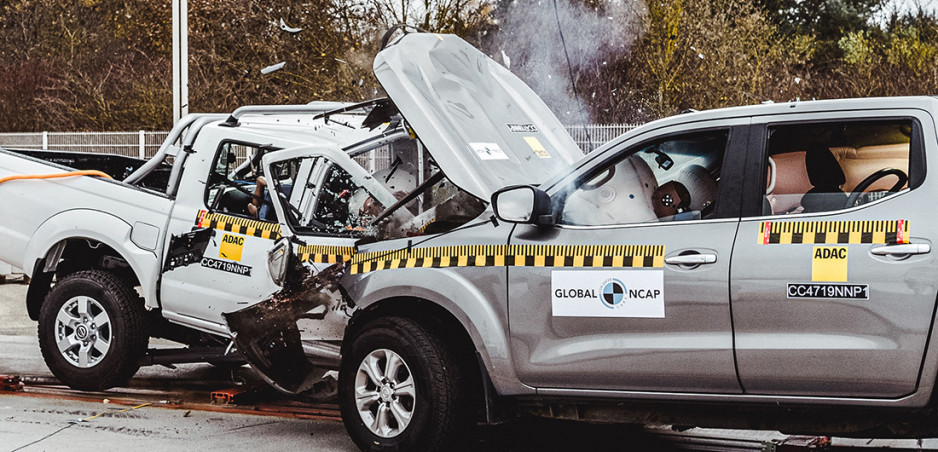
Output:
(905, 6)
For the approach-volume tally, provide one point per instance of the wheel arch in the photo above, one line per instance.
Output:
(455, 304)
(73, 233)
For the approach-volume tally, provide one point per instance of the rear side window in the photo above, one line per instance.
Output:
(828, 166)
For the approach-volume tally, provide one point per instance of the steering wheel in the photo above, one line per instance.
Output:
(868, 182)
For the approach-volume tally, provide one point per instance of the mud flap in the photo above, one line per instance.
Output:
(267, 333)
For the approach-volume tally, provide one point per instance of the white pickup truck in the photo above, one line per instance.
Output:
(162, 248)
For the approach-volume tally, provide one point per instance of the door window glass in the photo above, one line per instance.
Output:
(821, 167)
(672, 179)
(236, 182)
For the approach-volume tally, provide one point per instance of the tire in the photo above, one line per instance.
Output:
(92, 330)
(427, 385)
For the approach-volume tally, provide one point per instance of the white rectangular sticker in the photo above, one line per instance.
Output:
(607, 293)
(830, 290)
(488, 151)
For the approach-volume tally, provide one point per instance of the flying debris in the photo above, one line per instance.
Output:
(506, 60)
(287, 28)
(273, 68)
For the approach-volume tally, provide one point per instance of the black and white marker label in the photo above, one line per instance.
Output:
(829, 290)
(226, 266)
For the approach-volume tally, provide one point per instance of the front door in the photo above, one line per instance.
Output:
(630, 290)
(833, 281)
(215, 197)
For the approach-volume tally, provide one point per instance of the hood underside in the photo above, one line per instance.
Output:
(482, 125)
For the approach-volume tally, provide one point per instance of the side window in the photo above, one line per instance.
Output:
(822, 167)
(322, 198)
(236, 183)
(671, 179)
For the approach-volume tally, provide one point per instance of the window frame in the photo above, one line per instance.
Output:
(756, 160)
(218, 149)
(728, 188)
(326, 164)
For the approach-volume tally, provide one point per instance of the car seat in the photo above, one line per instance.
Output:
(827, 177)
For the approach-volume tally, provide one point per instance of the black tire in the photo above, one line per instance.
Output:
(126, 329)
(438, 408)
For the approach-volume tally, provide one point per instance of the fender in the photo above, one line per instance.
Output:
(484, 318)
(102, 227)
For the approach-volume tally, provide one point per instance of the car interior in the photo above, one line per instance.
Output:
(826, 167)
(670, 180)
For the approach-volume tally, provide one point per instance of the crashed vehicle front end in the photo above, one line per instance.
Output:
(457, 127)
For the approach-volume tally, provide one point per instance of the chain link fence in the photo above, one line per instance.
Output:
(144, 144)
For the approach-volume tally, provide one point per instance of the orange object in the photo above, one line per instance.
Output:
(56, 175)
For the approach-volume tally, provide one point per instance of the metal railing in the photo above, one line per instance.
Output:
(144, 144)
(598, 133)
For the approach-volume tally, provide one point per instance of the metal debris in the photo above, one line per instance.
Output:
(287, 28)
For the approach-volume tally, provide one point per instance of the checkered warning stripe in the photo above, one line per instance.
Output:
(325, 254)
(834, 232)
(237, 225)
(511, 255)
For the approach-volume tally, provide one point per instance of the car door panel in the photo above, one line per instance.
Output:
(689, 347)
(638, 301)
(819, 306)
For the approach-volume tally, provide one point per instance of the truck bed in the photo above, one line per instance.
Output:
(117, 166)
(52, 206)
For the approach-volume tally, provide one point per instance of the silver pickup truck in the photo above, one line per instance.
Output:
(762, 266)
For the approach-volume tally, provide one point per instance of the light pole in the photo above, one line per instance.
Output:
(180, 59)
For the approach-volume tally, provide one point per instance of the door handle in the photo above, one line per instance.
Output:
(691, 259)
(901, 250)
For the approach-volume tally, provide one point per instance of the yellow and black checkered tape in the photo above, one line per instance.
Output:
(237, 225)
(511, 255)
(834, 232)
(325, 254)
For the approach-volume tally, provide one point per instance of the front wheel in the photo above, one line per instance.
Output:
(92, 330)
(400, 388)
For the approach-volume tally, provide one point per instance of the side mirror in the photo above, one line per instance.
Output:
(278, 260)
(522, 204)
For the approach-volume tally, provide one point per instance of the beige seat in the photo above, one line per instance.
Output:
(861, 162)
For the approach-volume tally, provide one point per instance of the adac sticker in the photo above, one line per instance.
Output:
(619, 293)
(488, 151)
(231, 247)
(225, 266)
(829, 263)
(537, 147)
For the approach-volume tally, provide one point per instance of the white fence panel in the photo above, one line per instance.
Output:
(140, 144)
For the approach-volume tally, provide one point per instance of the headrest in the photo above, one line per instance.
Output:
(699, 182)
(823, 169)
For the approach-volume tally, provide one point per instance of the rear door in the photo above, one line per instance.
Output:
(630, 291)
(833, 294)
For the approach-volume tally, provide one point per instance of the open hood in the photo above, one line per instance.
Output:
(484, 127)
